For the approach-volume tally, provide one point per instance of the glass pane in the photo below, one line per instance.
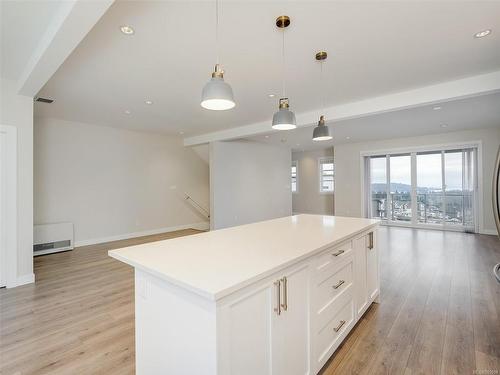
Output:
(400, 187)
(294, 178)
(454, 194)
(327, 173)
(429, 188)
(378, 187)
(453, 171)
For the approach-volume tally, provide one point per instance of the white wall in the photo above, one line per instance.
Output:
(348, 168)
(17, 110)
(308, 199)
(249, 182)
(114, 183)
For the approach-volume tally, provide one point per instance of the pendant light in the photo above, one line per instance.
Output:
(321, 132)
(217, 95)
(284, 119)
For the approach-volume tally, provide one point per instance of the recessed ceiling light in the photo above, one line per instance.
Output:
(298, 144)
(148, 102)
(127, 112)
(444, 125)
(272, 95)
(181, 133)
(267, 136)
(436, 108)
(347, 137)
(127, 30)
(482, 34)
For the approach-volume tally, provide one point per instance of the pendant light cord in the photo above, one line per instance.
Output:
(217, 30)
(322, 88)
(283, 64)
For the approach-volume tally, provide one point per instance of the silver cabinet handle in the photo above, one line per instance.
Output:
(336, 329)
(277, 309)
(496, 272)
(338, 284)
(285, 293)
(338, 253)
(370, 240)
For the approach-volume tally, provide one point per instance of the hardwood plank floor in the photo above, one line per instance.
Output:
(439, 311)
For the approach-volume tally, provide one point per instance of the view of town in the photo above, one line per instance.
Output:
(440, 196)
(429, 205)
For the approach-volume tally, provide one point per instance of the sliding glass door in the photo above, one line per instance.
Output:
(427, 188)
(400, 188)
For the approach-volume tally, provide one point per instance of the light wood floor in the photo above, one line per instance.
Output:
(440, 311)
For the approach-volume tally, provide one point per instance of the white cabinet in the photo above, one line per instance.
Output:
(292, 325)
(372, 268)
(366, 270)
(266, 330)
(285, 321)
(247, 327)
(361, 291)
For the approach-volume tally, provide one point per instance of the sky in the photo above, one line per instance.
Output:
(428, 170)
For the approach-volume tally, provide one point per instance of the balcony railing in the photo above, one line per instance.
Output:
(430, 207)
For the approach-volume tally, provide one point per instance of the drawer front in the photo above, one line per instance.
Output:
(326, 290)
(331, 257)
(329, 337)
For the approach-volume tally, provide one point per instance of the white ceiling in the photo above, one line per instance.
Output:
(22, 28)
(374, 47)
(472, 113)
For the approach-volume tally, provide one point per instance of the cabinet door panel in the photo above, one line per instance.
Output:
(372, 271)
(361, 294)
(247, 334)
(294, 324)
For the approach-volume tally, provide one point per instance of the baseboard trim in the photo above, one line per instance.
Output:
(203, 225)
(22, 280)
(492, 232)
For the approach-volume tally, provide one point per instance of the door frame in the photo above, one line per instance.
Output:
(478, 198)
(8, 212)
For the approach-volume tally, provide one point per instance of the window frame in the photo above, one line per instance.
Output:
(295, 163)
(473, 147)
(325, 160)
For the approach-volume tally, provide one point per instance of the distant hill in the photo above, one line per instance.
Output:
(397, 187)
(405, 188)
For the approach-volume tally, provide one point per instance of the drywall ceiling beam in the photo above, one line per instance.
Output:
(428, 95)
(73, 20)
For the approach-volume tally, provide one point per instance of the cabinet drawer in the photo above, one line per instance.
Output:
(328, 338)
(327, 289)
(331, 257)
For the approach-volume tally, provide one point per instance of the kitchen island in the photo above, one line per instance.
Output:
(273, 297)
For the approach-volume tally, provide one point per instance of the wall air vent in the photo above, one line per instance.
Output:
(52, 238)
(44, 100)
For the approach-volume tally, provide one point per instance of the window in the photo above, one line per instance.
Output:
(423, 188)
(326, 175)
(295, 185)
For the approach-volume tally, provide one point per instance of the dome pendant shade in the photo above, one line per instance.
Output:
(284, 119)
(217, 95)
(321, 132)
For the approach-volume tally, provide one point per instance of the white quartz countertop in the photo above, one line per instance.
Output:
(215, 264)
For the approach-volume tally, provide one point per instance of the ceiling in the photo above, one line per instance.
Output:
(473, 113)
(375, 48)
(22, 28)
